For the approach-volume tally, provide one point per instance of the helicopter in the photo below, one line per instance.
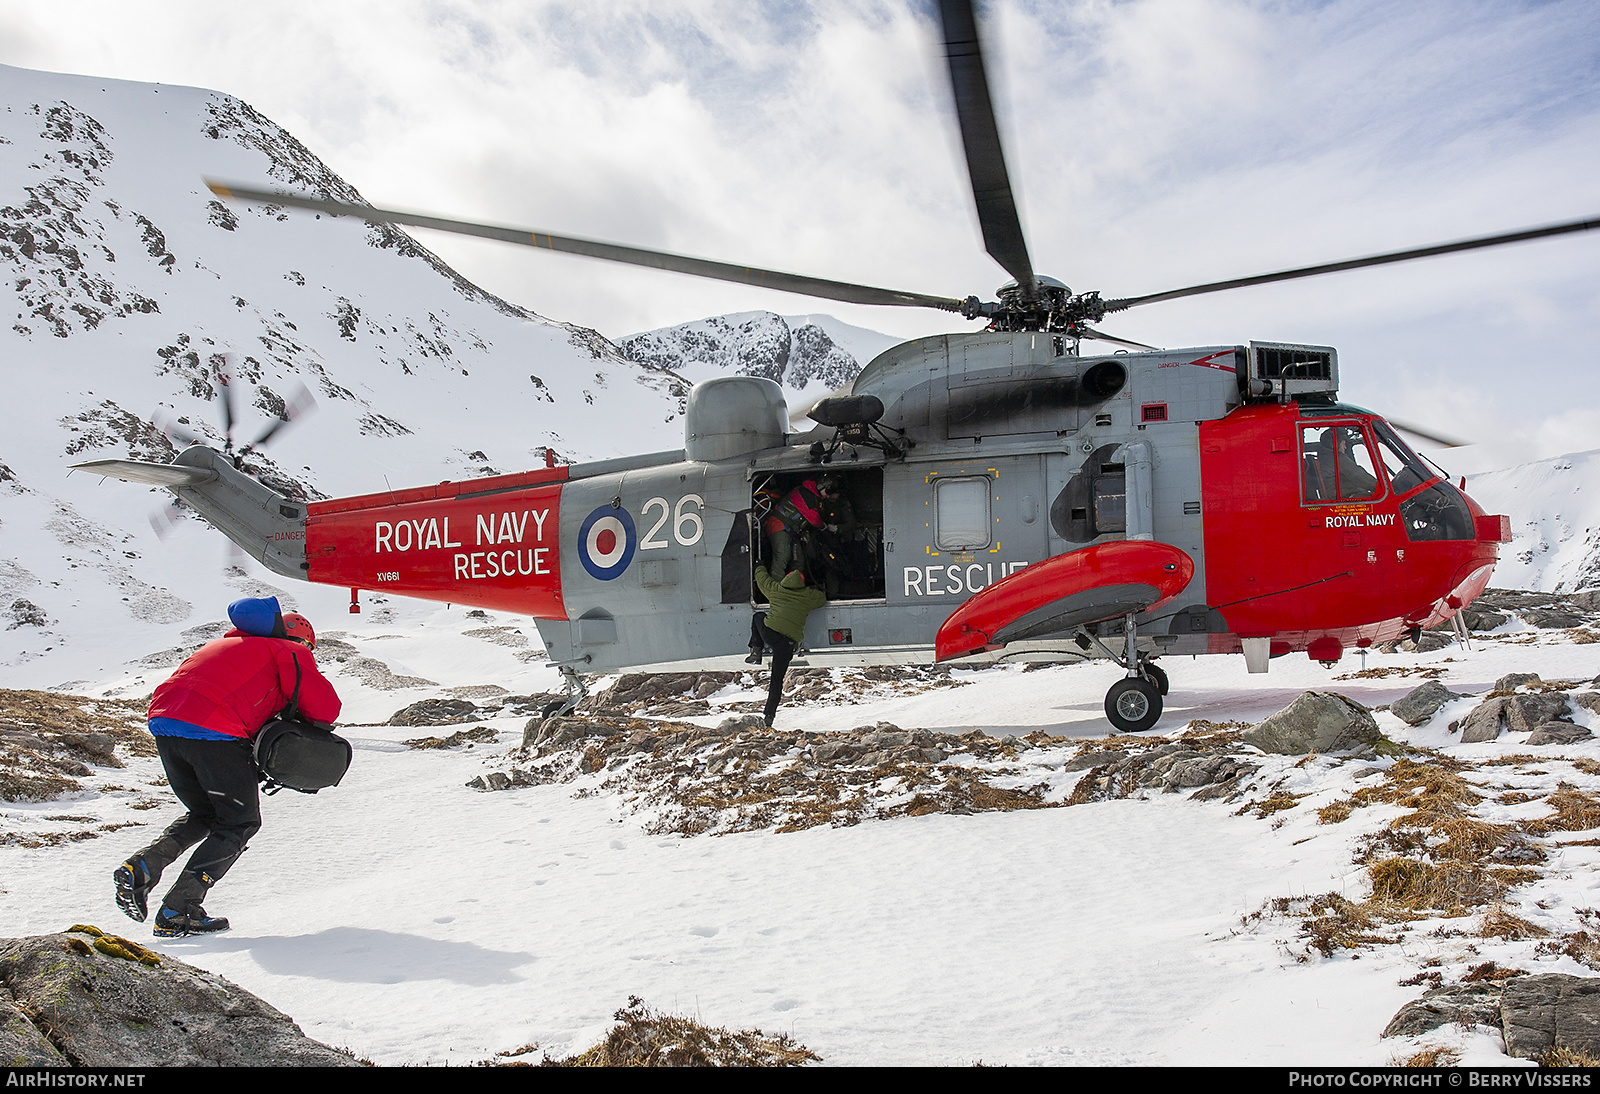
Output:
(1009, 495)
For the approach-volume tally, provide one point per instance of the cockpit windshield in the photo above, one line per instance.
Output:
(1406, 469)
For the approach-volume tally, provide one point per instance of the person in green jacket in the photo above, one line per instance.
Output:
(782, 627)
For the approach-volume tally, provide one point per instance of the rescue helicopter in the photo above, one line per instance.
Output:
(1010, 494)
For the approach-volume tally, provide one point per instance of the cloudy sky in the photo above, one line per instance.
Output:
(1154, 143)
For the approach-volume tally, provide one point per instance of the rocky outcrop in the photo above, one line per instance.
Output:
(86, 999)
(1169, 768)
(1421, 704)
(1474, 1004)
(435, 712)
(1517, 713)
(1535, 1014)
(1319, 722)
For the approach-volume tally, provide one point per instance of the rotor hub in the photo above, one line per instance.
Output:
(1053, 307)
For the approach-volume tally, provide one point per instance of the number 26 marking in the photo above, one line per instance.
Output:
(680, 519)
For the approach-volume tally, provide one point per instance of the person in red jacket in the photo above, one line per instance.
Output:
(204, 717)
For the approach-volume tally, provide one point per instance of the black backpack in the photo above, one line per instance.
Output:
(301, 755)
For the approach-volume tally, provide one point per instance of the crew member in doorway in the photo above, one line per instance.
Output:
(789, 522)
(782, 627)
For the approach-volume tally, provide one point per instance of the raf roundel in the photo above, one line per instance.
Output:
(605, 542)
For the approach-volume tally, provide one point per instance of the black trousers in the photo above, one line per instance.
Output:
(782, 647)
(216, 782)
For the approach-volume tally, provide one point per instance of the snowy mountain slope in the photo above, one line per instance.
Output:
(809, 355)
(130, 290)
(1555, 522)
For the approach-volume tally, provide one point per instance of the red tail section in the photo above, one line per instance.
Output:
(491, 542)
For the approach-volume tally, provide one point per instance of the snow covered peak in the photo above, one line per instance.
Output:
(1554, 507)
(809, 355)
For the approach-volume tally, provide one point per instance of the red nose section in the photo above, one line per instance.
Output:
(1062, 593)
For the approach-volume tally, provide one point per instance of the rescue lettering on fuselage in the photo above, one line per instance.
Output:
(492, 530)
(956, 579)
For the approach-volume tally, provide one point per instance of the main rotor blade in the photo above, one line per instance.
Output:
(1358, 263)
(613, 252)
(1102, 336)
(1433, 438)
(980, 137)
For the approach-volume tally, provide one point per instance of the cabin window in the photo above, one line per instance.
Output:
(962, 514)
(1336, 463)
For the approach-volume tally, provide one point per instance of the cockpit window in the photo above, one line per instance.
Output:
(1406, 469)
(1336, 463)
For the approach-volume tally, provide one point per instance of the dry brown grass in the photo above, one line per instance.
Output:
(1274, 803)
(1575, 811)
(1500, 923)
(1336, 812)
(1450, 888)
(1562, 1056)
(1392, 670)
(123, 719)
(1333, 923)
(647, 1038)
(1429, 1056)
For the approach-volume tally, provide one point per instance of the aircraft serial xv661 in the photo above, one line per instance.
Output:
(1011, 496)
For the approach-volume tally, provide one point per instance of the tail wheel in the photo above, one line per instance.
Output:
(1133, 704)
(1156, 675)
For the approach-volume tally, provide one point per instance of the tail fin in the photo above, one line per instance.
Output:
(268, 526)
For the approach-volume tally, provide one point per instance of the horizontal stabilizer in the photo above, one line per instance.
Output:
(149, 474)
(1056, 596)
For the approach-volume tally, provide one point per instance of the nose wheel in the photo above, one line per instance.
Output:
(1133, 704)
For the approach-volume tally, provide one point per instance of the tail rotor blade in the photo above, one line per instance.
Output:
(163, 520)
(223, 370)
(297, 407)
(980, 139)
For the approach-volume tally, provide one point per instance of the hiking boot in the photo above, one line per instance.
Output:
(132, 880)
(192, 920)
(754, 658)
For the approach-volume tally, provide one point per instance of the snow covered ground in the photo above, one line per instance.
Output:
(415, 920)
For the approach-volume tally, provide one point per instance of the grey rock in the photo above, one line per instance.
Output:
(1318, 721)
(1552, 618)
(1476, 1004)
(106, 1011)
(1429, 641)
(1420, 704)
(1558, 733)
(1484, 722)
(740, 723)
(1094, 759)
(435, 712)
(553, 732)
(832, 751)
(1513, 714)
(1483, 619)
(498, 780)
(21, 1042)
(1538, 1013)
(1514, 680)
(1588, 700)
(1588, 600)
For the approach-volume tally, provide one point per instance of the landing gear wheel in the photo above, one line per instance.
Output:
(552, 708)
(1156, 675)
(1133, 705)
